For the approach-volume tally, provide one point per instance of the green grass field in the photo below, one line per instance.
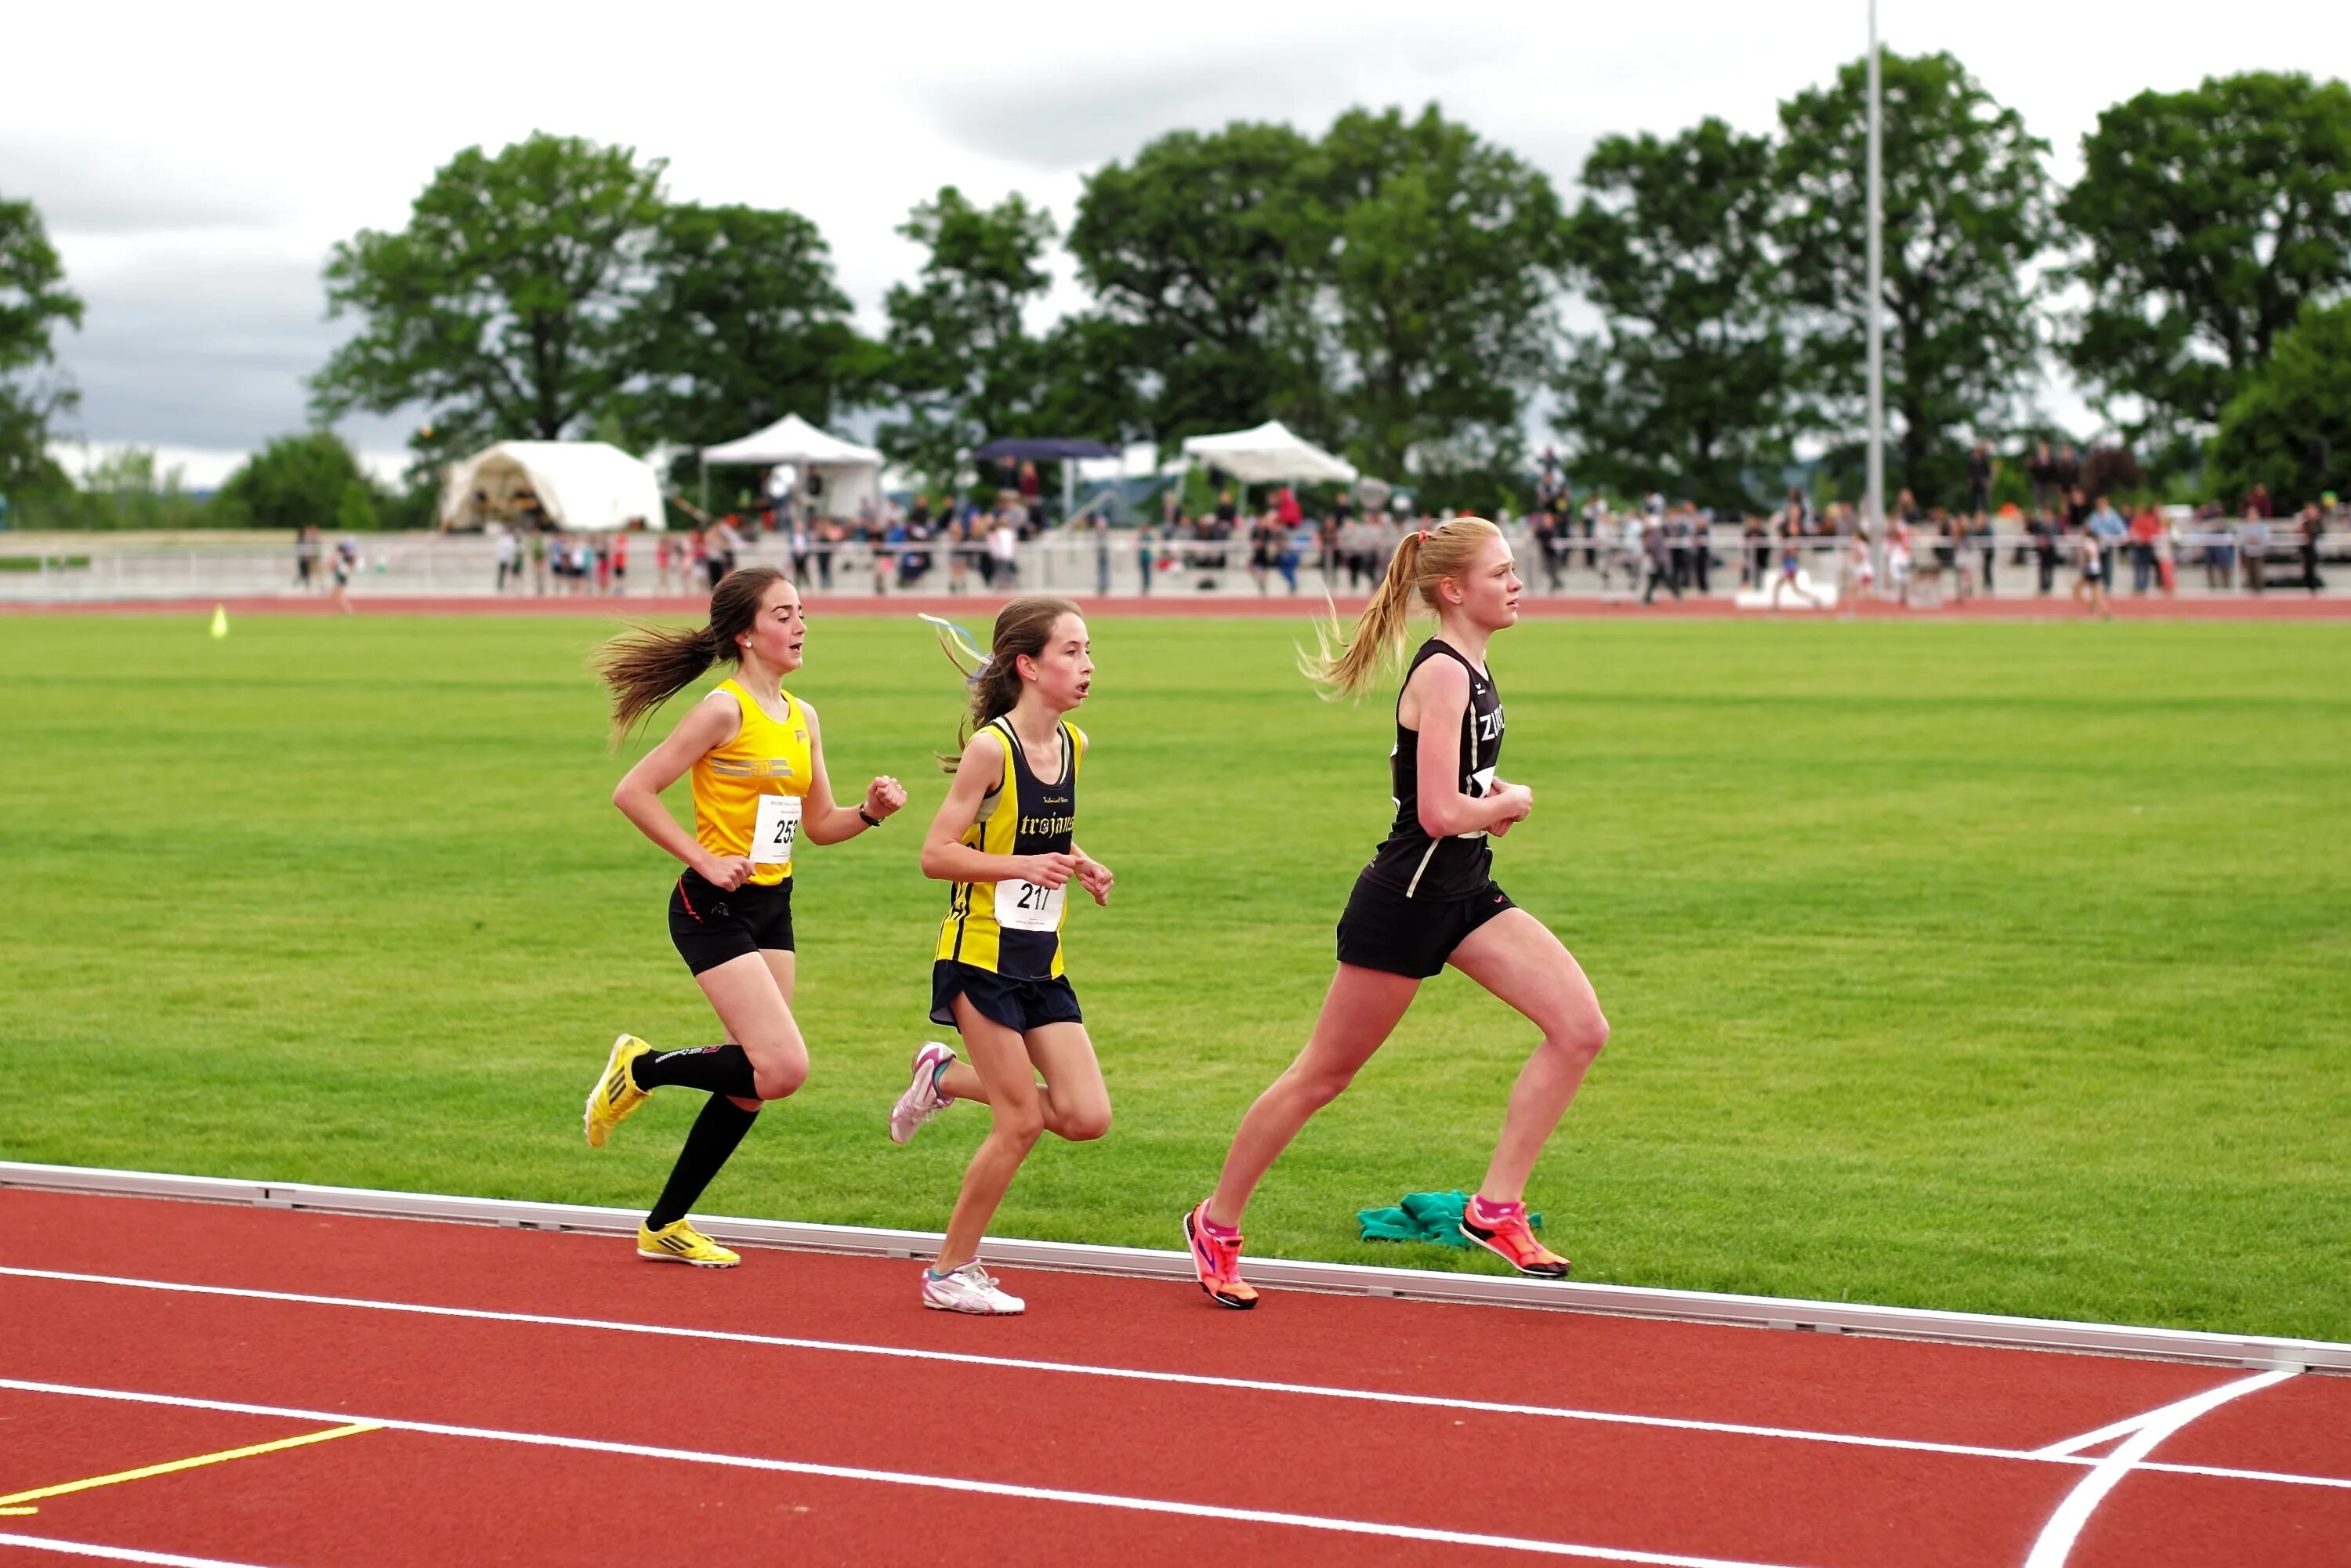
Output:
(2004, 967)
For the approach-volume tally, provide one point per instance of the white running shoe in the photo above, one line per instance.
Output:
(970, 1289)
(922, 1101)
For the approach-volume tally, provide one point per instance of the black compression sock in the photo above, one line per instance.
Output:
(713, 1069)
(711, 1139)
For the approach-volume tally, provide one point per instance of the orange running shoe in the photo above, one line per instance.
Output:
(1217, 1260)
(1501, 1228)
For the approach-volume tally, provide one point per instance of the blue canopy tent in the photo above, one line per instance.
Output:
(1062, 449)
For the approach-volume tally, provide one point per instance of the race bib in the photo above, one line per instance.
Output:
(1481, 783)
(779, 825)
(1025, 906)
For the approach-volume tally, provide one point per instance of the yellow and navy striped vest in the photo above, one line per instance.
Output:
(1020, 816)
(767, 757)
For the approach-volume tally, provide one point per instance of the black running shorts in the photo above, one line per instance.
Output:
(711, 926)
(1381, 929)
(1019, 1005)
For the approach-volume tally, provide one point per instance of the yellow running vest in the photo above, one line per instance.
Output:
(1014, 928)
(748, 792)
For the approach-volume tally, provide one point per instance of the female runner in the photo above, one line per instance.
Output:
(1006, 839)
(757, 761)
(1426, 900)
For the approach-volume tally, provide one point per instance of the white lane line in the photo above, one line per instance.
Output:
(116, 1554)
(1186, 1379)
(909, 1478)
(2057, 1536)
(1670, 1423)
(2122, 1428)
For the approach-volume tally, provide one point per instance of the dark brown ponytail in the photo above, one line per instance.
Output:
(647, 665)
(1022, 627)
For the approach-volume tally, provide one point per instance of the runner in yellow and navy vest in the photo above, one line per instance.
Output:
(1006, 839)
(757, 758)
(1428, 899)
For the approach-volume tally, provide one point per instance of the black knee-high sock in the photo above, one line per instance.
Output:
(713, 1069)
(711, 1138)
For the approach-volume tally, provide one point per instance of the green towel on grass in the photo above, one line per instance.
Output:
(1422, 1216)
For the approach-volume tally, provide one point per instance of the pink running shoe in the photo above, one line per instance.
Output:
(922, 1101)
(1217, 1262)
(1502, 1230)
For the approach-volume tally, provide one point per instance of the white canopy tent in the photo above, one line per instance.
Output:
(831, 476)
(1269, 454)
(580, 485)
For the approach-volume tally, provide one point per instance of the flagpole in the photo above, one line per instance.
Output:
(1874, 514)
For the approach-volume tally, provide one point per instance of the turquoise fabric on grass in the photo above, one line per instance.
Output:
(1422, 1216)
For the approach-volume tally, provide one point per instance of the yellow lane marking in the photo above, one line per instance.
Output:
(164, 1470)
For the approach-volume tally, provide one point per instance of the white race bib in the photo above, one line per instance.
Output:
(1026, 907)
(779, 825)
(1482, 784)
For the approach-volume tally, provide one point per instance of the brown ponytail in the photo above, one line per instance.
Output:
(647, 665)
(1347, 662)
(1022, 627)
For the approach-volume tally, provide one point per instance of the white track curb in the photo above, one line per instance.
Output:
(1485, 1289)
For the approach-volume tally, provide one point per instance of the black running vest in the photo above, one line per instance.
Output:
(1409, 861)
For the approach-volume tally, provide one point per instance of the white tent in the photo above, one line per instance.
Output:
(1268, 455)
(583, 484)
(834, 476)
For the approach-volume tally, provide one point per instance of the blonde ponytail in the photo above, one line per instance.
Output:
(1346, 663)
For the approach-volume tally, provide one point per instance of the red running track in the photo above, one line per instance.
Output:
(2272, 607)
(804, 1408)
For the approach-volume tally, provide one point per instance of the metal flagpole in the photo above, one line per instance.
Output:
(1875, 508)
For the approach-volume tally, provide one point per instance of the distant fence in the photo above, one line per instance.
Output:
(441, 565)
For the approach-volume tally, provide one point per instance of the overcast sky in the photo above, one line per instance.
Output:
(194, 164)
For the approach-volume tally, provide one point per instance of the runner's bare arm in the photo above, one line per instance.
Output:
(710, 722)
(947, 858)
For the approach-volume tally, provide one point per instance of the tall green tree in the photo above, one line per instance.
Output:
(1686, 387)
(1966, 218)
(2204, 220)
(1443, 274)
(33, 301)
(1208, 250)
(740, 324)
(962, 362)
(296, 481)
(2289, 426)
(502, 307)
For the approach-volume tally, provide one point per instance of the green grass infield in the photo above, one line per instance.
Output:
(1995, 967)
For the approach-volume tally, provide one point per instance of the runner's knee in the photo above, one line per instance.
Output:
(1580, 1037)
(1086, 1124)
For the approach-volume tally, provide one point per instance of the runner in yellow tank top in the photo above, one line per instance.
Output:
(1006, 839)
(756, 757)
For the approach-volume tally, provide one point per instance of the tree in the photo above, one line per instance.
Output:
(1208, 250)
(741, 324)
(299, 480)
(2205, 220)
(2289, 426)
(1441, 276)
(1966, 214)
(961, 361)
(1687, 388)
(503, 307)
(33, 301)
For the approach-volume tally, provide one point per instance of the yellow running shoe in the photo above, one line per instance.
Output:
(616, 1093)
(680, 1242)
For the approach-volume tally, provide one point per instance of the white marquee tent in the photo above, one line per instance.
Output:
(580, 485)
(832, 477)
(1269, 454)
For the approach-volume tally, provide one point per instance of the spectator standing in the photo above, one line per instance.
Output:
(2040, 471)
(2220, 550)
(1982, 469)
(2091, 578)
(2145, 529)
(665, 565)
(1146, 541)
(1755, 563)
(2312, 528)
(1659, 550)
(1031, 492)
(2107, 526)
(2253, 544)
(306, 558)
(1004, 550)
